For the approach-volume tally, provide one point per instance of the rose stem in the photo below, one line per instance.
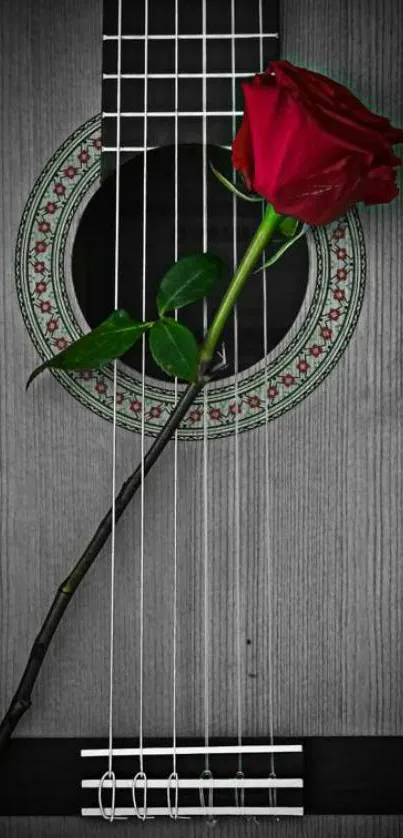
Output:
(262, 236)
(21, 700)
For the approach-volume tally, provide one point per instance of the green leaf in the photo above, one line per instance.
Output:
(174, 348)
(188, 280)
(282, 249)
(232, 188)
(106, 342)
(289, 226)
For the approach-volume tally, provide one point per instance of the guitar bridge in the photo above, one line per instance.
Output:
(222, 779)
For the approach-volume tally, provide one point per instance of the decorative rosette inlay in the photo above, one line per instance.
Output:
(302, 360)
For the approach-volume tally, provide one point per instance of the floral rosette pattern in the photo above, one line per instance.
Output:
(297, 366)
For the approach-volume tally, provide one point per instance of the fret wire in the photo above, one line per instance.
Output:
(179, 75)
(192, 37)
(138, 148)
(141, 114)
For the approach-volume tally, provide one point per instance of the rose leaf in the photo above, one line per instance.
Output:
(174, 348)
(112, 338)
(188, 280)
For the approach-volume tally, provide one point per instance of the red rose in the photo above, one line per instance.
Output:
(310, 148)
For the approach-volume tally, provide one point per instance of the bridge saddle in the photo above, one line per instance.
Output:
(209, 781)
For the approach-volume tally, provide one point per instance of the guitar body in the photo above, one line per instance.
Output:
(332, 601)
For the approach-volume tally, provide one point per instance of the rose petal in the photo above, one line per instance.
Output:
(242, 156)
(311, 148)
(378, 187)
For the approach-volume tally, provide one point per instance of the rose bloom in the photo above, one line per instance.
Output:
(310, 148)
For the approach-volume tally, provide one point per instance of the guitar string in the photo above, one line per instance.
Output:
(175, 546)
(205, 403)
(236, 397)
(143, 353)
(272, 792)
(109, 773)
(205, 459)
(116, 305)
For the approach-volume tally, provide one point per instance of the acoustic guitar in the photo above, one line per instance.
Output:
(232, 658)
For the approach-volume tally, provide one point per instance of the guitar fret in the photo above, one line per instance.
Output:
(232, 49)
(161, 16)
(161, 129)
(179, 76)
(162, 56)
(139, 148)
(161, 96)
(172, 114)
(222, 36)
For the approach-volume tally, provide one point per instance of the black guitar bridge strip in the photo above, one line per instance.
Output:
(342, 775)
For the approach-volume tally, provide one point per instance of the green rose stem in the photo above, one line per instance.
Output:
(270, 221)
(22, 697)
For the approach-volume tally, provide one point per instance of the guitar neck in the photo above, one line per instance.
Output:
(182, 65)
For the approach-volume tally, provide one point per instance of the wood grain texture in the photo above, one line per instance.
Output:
(312, 827)
(335, 484)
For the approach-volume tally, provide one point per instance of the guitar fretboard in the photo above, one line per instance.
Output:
(204, 47)
(182, 63)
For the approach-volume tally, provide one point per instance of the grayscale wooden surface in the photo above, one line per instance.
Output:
(336, 476)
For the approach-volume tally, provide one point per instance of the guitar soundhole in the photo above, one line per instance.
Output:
(93, 251)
